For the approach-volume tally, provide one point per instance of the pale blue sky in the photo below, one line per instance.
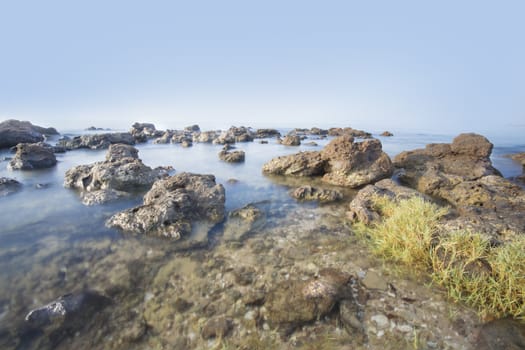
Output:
(442, 66)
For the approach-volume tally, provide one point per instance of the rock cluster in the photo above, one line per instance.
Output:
(175, 206)
(342, 162)
(13, 132)
(235, 134)
(142, 132)
(31, 156)
(122, 172)
(96, 141)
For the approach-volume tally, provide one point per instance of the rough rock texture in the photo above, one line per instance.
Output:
(8, 186)
(349, 132)
(342, 162)
(232, 157)
(362, 208)
(235, 134)
(120, 173)
(31, 156)
(142, 132)
(309, 193)
(505, 334)
(97, 141)
(462, 174)
(13, 132)
(241, 222)
(293, 303)
(205, 136)
(174, 206)
(266, 133)
(291, 140)
(387, 134)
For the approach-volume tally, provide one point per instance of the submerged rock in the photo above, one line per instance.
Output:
(349, 132)
(309, 193)
(243, 221)
(342, 162)
(462, 174)
(97, 141)
(120, 173)
(31, 156)
(174, 206)
(232, 157)
(387, 134)
(8, 186)
(13, 132)
(293, 303)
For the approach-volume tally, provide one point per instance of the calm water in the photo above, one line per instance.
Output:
(42, 224)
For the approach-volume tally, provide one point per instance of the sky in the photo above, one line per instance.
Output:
(438, 66)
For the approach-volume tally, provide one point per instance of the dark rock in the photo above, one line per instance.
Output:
(96, 141)
(67, 309)
(217, 327)
(318, 131)
(362, 206)
(13, 132)
(293, 303)
(232, 157)
(31, 156)
(243, 221)
(120, 173)
(505, 334)
(462, 174)
(309, 193)
(266, 133)
(186, 143)
(93, 128)
(192, 128)
(349, 132)
(174, 206)
(387, 134)
(8, 186)
(291, 140)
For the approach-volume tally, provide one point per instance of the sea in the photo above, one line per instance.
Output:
(49, 239)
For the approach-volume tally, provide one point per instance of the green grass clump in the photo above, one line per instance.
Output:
(489, 279)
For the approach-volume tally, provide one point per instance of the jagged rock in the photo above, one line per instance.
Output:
(462, 174)
(318, 132)
(192, 128)
(349, 132)
(342, 162)
(362, 206)
(233, 135)
(243, 221)
(174, 206)
(205, 136)
(387, 134)
(142, 132)
(293, 303)
(97, 141)
(266, 133)
(165, 138)
(309, 193)
(8, 186)
(291, 140)
(232, 157)
(31, 156)
(120, 173)
(13, 132)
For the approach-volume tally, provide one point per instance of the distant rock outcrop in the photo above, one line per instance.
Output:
(13, 132)
(96, 141)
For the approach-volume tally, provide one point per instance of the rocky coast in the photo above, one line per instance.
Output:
(251, 250)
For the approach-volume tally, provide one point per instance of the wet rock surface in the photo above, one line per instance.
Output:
(174, 207)
(121, 173)
(96, 141)
(310, 193)
(31, 156)
(9, 186)
(243, 221)
(462, 174)
(342, 162)
(13, 132)
(232, 156)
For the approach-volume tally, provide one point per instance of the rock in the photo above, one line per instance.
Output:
(186, 143)
(349, 132)
(96, 141)
(8, 186)
(293, 303)
(232, 157)
(122, 172)
(318, 132)
(205, 136)
(142, 132)
(311, 144)
(217, 327)
(505, 334)
(233, 135)
(174, 206)
(342, 162)
(309, 193)
(192, 128)
(93, 128)
(462, 174)
(291, 140)
(31, 156)
(266, 133)
(243, 221)
(519, 157)
(68, 309)
(387, 134)
(362, 206)
(373, 280)
(165, 138)
(13, 132)
(300, 164)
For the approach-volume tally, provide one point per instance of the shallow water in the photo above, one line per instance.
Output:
(51, 244)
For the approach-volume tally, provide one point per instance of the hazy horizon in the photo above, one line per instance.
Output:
(446, 67)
